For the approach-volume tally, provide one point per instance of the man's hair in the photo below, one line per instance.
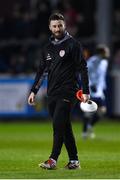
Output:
(103, 50)
(56, 16)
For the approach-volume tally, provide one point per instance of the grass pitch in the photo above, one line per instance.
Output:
(24, 145)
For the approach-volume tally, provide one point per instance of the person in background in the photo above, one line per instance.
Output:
(62, 57)
(97, 69)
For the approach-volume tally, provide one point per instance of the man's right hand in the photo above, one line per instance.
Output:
(31, 99)
(82, 97)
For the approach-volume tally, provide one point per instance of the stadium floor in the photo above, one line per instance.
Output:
(24, 145)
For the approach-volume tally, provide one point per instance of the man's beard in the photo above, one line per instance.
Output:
(59, 36)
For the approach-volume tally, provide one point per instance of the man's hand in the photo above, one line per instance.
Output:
(31, 99)
(82, 97)
(85, 97)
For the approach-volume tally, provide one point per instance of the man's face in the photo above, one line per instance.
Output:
(57, 27)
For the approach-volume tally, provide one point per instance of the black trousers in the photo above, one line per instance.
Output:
(60, 110)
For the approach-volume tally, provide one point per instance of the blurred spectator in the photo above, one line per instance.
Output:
(97, 70)
(86, 53)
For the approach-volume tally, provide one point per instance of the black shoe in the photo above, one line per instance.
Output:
(73, 165)
(49, 164)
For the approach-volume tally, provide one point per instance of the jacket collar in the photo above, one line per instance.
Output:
(64, 38)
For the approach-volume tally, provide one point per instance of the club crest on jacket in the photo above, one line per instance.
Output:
(62, 53)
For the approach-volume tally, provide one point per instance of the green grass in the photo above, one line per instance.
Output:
(24, 145)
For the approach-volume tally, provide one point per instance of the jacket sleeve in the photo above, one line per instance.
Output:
(81, 67)
(39, 75)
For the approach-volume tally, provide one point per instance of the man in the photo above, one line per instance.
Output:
(63, 60)
(97, 69)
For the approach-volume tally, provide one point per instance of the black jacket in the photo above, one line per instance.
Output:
(64, 61)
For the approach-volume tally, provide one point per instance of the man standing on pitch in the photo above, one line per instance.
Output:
(62, 57)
